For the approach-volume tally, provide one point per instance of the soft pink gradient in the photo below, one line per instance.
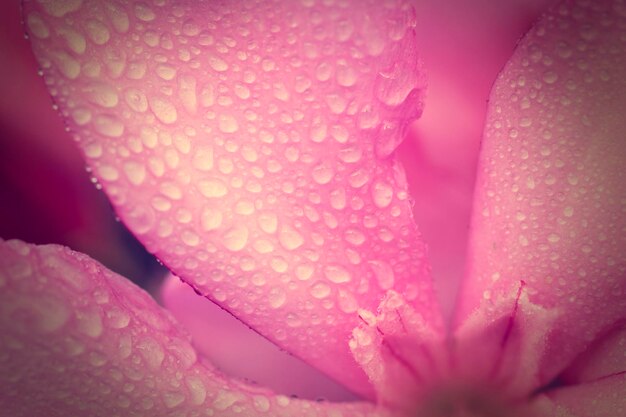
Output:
(540, 322)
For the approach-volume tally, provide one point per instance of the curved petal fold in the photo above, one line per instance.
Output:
(80, 340)
(248, 145)
(550, 196)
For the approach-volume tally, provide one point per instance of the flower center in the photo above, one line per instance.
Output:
(465, 401)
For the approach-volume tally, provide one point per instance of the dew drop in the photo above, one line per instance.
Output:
(382, 193)
(236, 238)
(337, 274)
(289, 238)
(109, 126)
(212, 188)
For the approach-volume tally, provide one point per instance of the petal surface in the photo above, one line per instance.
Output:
(550, 198)
(207, 322)
(80, 340)
(602, 398)
(248, 145)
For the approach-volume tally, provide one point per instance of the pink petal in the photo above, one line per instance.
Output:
(550, 194)
(605, 358)
(207, 323)
(464, 45)
(80, 340)
(248, 146)
(603, 398)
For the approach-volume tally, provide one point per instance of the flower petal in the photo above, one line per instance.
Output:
(603, 398)
(248, 146)
(207, 323)
(80, 340)
(550, 192)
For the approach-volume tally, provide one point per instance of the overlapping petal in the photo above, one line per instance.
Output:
(80, 340)
(249, 146)
(549, 208)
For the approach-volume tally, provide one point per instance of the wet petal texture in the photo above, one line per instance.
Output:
(550, 202)
(80, 340)
(248, 145)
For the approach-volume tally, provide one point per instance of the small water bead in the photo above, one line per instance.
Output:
(109, 126)
(382, 194)
(97, 32)
(103, 94)
(277, 297)
(244, 207)
(37, 26)
(217, 64)
(203, 158)
(197, 390)
(236, 238)
(322, 173)
(144, 12)
(119, 18)
(337, 274)
(227, 123)
(210, 219)
(268, 222)
(212, 188)
(163, 109)
(69, 67)
(290, 238)
(187, 86)
(320, 291)
(166, 72)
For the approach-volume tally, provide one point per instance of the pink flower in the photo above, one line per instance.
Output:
(251, 146)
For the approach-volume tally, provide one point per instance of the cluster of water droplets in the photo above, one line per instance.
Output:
(551, 183)
(78, 337)
(248, 145)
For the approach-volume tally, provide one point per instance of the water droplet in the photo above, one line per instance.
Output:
(236, 238)
(144, 12)
(151, 351)
(322, 173)
(37, 26)
(89, 322)
(59, 8)
(277, 297)
(103, 94)
(268, 222)
(338, 199)
(337, 274)
(218, 64)
(197, 390)
(136, 100)
(320, 290)
(210, 219)
(304, 272)
(203, 158)
(382, 193)
(187, 93)
(289, 238)
(261, 403)
(212, 188)
(550, 77)
(354, 237)
(166, 72)
(227, 123)
(109, 126)
(97, 32)
(163, 109)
